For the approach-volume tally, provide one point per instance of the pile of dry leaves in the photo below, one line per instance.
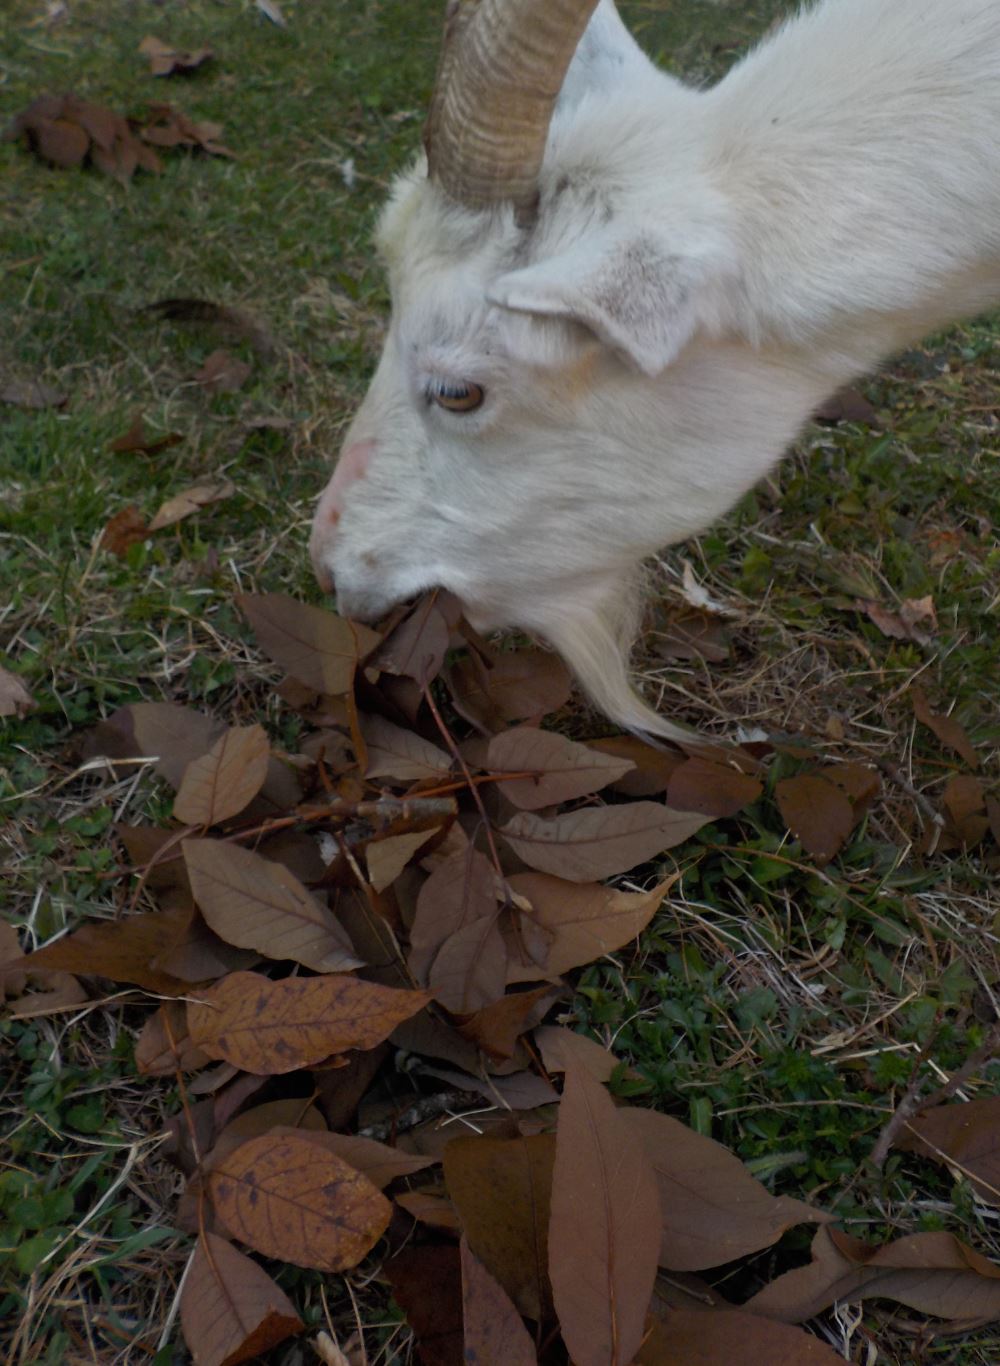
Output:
(360, 938)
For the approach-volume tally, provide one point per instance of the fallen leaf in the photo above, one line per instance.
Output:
(231, 1310)
(166, 60)
(380, 1163)
(604, 1232)
(221, 783)
(165, 1046)
(135, 440)
(493, 1329)
(430, 1208)
(165, 731)
(123, 950)
(124, 530)
(563, 768)
(501, 1188)
(713, 1209)
(459, 891)
(427, 1286)
(652, 766)
(497, 1027)
(223, 373)
(191, 500)
(387, 858)
(275, 1027)
(65, 130)
(318, 648)
(946, 728)
(29, 393)
(713, 789)
(286, 1198)
(691, 634)
(519, 685)
(401, 754)
(289, 1115)
(598, 841)
(933, 1273)
(965, 804)
(696, 1337)
(416, 647)
(965, 1137)
(847, 405)
(15, 700)
(165, 126)
(586, 920)
(272, 10)
(907, 623)
(257, 904)
(817, 813)
(235, 324)
(470, 968)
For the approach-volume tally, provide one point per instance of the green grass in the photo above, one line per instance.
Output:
(776, 1007)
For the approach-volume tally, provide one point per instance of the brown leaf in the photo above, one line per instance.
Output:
(275, 1027)
(652, 766)
(286, 1198)
(426, 1284)
(713, 1209)
(231, 1310)
(191, 500)
(586, 920)
(965, 805)
(397, 753)
(256, 904)
(166, 60)
(559, 1047)
(847, 405)
(124, 530)
(459, 891)
(135, 440)
(62, 142)
(691, 634)
(470, 968)
(223, 373)
(380, 1163)
(29, 393)
(317, 647)
(713, 789)
(947, 730)
(172, 734)
(860, 785)
(387, 858)
(816, 812)
(417, 646)
(564, 769)
(933, 1273)
(696, 1337)
(430, 1208)
(166, 126)
(235, 324)
(604, 1233)
(15, 700)
(494, 1330)
(501, 1188)
(221, 783)
(907, 623)
(498, 1026)
(598, 841)
(292, 1115)
(123, 950)
(519, 685)
(165, 1046)
(964, 1136)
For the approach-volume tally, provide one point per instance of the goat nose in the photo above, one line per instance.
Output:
(352, 465)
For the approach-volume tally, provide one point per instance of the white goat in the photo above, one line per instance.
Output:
(614, 309)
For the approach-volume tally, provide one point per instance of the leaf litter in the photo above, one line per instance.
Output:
(460, 881)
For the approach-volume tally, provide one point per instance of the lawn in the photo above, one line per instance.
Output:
(781, 1007)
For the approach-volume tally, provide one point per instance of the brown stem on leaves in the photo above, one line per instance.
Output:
(913, 1102)
(429, 1107)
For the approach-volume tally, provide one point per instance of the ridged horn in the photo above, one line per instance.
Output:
(501, 69)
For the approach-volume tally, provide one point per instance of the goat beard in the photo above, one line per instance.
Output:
(596, 642)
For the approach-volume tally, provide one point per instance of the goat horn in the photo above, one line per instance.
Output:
(501, 69)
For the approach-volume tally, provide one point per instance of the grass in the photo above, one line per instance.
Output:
(778, 1007)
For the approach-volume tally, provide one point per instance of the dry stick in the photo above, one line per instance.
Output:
(912, 1102)
(893, 773)
(429, 1107)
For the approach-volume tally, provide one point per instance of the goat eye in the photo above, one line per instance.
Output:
(458, 398)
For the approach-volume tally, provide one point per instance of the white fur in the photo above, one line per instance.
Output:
(705, 268)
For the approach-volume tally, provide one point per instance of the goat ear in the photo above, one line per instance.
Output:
(632, 293)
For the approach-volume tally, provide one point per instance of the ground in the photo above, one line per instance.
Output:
(791, 1040)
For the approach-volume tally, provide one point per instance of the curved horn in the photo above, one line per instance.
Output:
(501, 69)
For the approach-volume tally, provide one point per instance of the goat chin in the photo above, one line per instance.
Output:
(596, 643)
